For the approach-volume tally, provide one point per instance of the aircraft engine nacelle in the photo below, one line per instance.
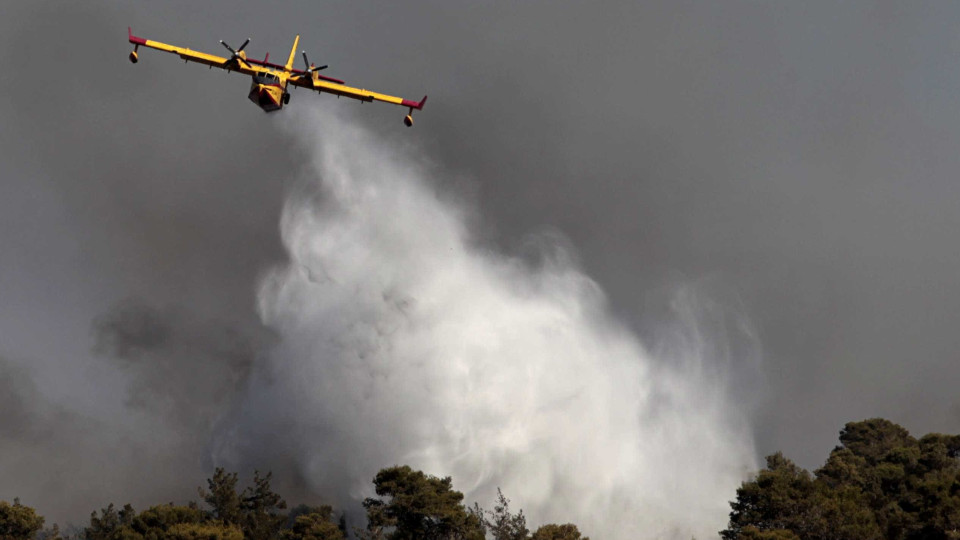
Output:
(133, 57)
(408, 120)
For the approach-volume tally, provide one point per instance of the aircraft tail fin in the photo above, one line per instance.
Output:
(293, 52)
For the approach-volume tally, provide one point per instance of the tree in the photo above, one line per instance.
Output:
(843, 468)
(778, 498)
(752, 533)
(414, 505)
(161, 522)
(872, 439)
(203, 531)
(839, 514)
(313, 524)
(260, 509)
(502, 524)
(18, 522)
(553, 531)
(107, 526)
(879, 483)
(222, 498)
(154, 522)
(257, 510)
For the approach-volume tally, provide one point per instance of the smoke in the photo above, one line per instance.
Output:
(402, 339)
(176, 375)
(66, 463)
(183, 371)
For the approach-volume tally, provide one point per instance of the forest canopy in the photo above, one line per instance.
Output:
(409, 505)
(878, 483)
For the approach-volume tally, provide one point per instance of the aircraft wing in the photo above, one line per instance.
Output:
(188, 55)
(327, 86)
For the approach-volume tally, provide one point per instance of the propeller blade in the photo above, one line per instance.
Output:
(310, 68)
(235, 54)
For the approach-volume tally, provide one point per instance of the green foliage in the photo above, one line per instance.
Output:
(156, 520)
(872, 439)
(501, 523)
(223, 499)
(417, 506)
(203, 531)
(552, 531)
(840, 514)
(109, 523)
(18, 521)
(879, 483)
(752, 533)
(261, 510)
(160, 522)
(257, 511)
(314, 524)
(779, 498)
(411, 506)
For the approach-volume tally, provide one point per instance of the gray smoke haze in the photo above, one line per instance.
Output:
(202, 364)
(795, 164)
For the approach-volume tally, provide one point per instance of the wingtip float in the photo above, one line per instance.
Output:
(269, 89)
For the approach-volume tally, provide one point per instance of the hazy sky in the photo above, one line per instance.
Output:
(796, 162)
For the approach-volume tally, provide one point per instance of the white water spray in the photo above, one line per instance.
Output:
(403, 342)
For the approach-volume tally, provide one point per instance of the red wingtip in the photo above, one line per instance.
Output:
(414, 104)
(134, 39)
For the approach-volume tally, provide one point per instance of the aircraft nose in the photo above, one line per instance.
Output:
(266, 97)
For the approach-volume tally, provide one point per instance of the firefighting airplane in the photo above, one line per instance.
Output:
(269, 87)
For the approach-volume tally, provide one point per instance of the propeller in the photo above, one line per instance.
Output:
(235, 54)
(310, 68)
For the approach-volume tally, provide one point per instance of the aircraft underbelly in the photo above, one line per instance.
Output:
(268, 97)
